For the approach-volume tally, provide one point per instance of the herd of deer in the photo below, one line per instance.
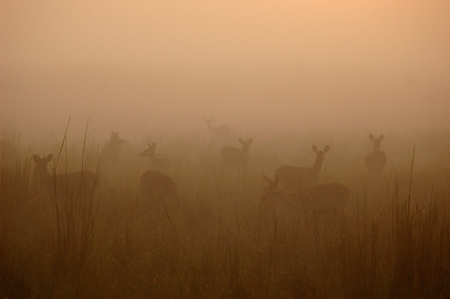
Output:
(295, 186)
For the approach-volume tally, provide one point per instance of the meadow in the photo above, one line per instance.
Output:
(221, 242)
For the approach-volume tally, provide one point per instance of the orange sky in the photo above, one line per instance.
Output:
(401, 34)
(377, 64)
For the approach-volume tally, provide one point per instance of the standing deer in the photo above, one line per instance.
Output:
(221, 131)
(236, 157)
(158, 162)
(294, 178)
(111, 151)
(376, 159)
(314, 201)
(65, 186)
(158, 188)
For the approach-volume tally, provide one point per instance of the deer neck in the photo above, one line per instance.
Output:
(113, 145)
(45, 178)
(317, 165)
(152, 157)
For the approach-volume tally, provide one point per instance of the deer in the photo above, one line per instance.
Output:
(330, 198)
(158, 188)
(236, 157)
(376, 159)
(294, 178)
(68, 186)
(160, 162)
(111, 151)
(221, 131)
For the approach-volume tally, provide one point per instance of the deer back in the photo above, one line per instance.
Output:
(155, 185)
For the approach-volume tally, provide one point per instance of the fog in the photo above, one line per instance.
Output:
(324, 173)
(162, 66)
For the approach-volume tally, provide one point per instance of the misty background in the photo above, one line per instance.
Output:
(162, 66)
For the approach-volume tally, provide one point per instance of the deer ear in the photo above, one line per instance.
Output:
(314, 148)
(326, 149)
(371, 137)
(154, 145)
(35, 159)
(381, 137)
(49, 158)
(250, 141)
(240, 140)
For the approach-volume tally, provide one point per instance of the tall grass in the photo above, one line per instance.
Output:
(222, 241)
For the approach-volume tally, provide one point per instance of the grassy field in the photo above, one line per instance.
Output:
(221, 241)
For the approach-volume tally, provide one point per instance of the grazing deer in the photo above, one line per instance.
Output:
(158, 188)
(111, 151)
(294, 178)
(7, 153)
(236, 157)
(376, 159)
(68, 186)
(315, 201)
(158, 162)
(221, 131)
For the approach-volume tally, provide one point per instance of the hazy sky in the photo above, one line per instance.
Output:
(403, 40)
(401, 33)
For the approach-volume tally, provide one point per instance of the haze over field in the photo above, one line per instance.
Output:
(140, 66)
(235, 149)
